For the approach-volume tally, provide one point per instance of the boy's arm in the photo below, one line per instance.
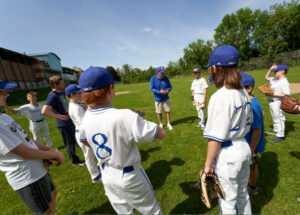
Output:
(47, 111)
(29, 153)
(255, 139)
(268, 75)
(212, 150)
(205, 93)
(42, 146)
(11, 109)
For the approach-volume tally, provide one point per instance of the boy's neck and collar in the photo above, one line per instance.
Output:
(105, 104)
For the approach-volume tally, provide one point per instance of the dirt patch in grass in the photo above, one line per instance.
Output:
(123, 92)
(295, 88)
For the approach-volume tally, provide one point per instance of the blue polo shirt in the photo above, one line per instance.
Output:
(258, 122)
(157, 84)
(59, 105)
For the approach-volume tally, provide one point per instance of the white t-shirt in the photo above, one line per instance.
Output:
(18, 171)
(76, 113)
(199, 85)
(31, 112)
(113, 135)
(229, 115)
(281, 86)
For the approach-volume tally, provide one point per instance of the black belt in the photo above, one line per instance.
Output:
(126, 169)
(41, 120)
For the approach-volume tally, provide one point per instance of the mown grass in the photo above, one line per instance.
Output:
(173, 164)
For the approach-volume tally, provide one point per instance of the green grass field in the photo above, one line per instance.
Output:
(173, 164)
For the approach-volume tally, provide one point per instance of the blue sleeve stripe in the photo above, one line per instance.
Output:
(156, 133)
(213, 138)
(83, 139)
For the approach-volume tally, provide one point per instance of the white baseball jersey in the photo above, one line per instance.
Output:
(229, 115)
(281, 86)
(31, 112)
(76, 113)
(199, 85)
(114, 133)
(20, 172)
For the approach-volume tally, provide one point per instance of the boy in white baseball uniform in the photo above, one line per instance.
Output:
(113, 135)
(37, 122)
(21, 160)
(198, 89)
(76, 113)
(281, 88)
(229, 120)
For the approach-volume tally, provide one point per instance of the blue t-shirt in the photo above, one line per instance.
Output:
(157, 84)
(258, 122)
(59, 105)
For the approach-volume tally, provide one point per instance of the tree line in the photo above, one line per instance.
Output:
(254, 33)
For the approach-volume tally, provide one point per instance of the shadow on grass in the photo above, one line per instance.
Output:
(295, 154)
(189, 119)
(267, 181)
(289, 126)
(159, 170)
(106, 208)
(145, 153)
(193, 204)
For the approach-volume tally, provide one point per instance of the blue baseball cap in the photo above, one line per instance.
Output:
(197, 69)
(72, 88)
(160, 69)
(95, 78)
(247, 80)
(4, 86)
(281, 67)
(225, 55)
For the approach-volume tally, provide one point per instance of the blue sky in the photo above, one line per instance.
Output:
(141, 33)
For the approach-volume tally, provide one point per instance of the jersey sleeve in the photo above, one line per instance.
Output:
(51, 100)
(219, 118)
(22, 110)
(169, 85)
(8, 140)
(77, 113)
(82, 135)
(142, 130)
(204, 83)
(152, 86)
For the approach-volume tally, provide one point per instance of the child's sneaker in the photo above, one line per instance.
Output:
(161, 125)
(199, 125)
(170, 126)
(202, 126)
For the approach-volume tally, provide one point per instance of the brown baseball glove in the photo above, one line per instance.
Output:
(202, 105)
(48, 163)
(211, 187)
(266, 89)
(290, 105)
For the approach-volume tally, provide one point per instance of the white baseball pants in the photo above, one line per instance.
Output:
(89, 157)
(233, 170)
(198, 99)
(40, 128)
(131, 190)
(278, 117)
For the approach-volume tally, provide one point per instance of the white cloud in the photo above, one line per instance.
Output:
(147, 29)
(154, 32)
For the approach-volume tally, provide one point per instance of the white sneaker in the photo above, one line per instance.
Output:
(170, 126)
(203, 126)
(161, 125)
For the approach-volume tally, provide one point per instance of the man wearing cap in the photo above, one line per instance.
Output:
(76, 113)
(281, 88)
(161, 86)
(56, 106)
(21, 160)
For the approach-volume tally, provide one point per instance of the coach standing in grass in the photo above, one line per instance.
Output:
(56, 106)
(161, 86)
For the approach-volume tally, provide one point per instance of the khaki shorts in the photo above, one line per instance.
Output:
(159, 105)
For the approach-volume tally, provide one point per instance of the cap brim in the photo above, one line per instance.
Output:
(10, 85)
(208, 65)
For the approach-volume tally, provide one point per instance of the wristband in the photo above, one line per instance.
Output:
(192, 97)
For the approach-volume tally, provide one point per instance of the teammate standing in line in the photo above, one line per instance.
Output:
(256, 136)
(199, 87)
(76, 113)
(21, 160)
(56, 106)
(229, 120)
(113, 135)
(160, 86)
(281, 88)
(33, 111)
